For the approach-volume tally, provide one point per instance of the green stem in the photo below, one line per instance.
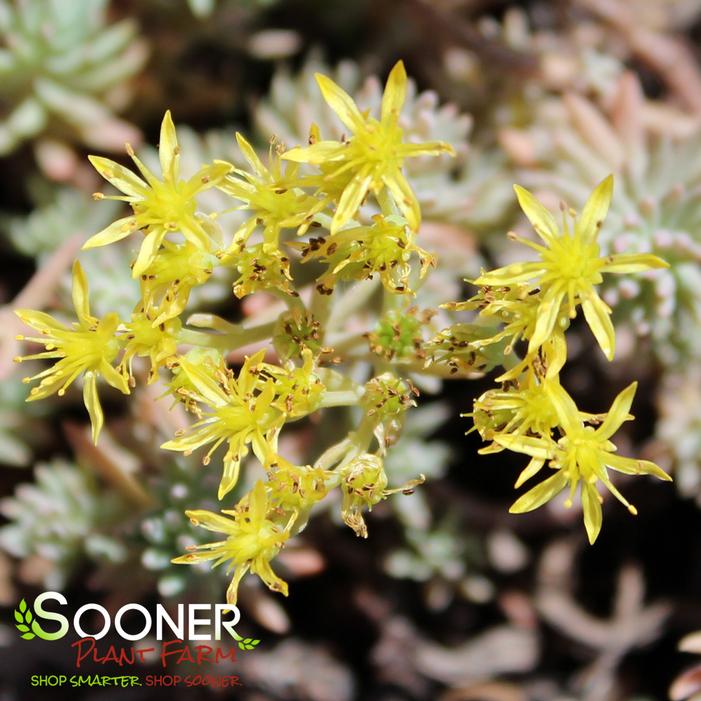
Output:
(360, 440)
(227, 341)
(333, 454)
(293, 302)
(339, 398)
(386, 202)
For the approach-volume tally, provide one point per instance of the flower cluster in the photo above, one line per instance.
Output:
(327, 228)
(532, 304)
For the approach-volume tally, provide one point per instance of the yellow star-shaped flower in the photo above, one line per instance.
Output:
(570, 267)
(371, 158)
(160, 206)
(581, 456)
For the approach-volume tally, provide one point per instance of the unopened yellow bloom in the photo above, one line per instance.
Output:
(364, 484)
(570, 267)
(167, 281)
(143, 339)
(581, 457)
(253, 538)
(373, 155)
(516, 411)
(261, 267)
(88, 348)
(239, 411)
(299, 389)
(161, 206)
(384, 248)
(296, 488)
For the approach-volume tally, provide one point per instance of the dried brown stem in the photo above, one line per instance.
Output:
(36, 294)
(106, 464)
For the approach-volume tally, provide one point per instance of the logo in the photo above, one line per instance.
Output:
(197, 636)
(187, 624)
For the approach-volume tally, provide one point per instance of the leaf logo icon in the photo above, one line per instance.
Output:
(23, 620)
(248, 644)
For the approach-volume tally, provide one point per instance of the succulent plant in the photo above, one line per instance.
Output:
(64, 70)
(678, 429)
(541, 55)
(21, 428)
(62, 212)
(64, 517)
(163, 530)
(58, 213)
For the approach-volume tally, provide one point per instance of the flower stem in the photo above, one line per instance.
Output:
(232, 340)
(339, 398)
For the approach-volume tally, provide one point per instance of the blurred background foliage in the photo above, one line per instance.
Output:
(451, 598)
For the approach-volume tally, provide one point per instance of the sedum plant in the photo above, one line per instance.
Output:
(64, 70)
(330, 244)
(78, 520)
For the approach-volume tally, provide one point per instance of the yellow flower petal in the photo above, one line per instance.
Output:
(250, 155)
(196, 556)
(529, 445)
(633, 263)
(148, 251)
(427, 148)
(533, 467)
(351, 199)
(230, 476)
(211, 521)
(92, 404)
(192, 441)
(208, 176)
(540, 494)
(404, 197)
(315, 154)
(618, 413)
(591, 508)
(262, 568)
(41, 321)
(565, 408)
(119, 176)
(258, 503)
(595, 210)
(597, 314)
(632, 466)
(204, 383)
(395, 92)
(113, 377)
(168, 150)
(340, 102)
(233, 588)
(510, 274)
(542, 221)
(556, 354)
(80, 293)
(116, 231)
(548, 312)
